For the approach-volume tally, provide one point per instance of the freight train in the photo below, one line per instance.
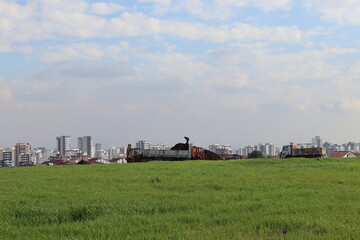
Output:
(145, 155)
(300, 150)
(180, 152)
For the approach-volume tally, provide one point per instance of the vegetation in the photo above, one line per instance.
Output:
(256, 154)
(243, 199)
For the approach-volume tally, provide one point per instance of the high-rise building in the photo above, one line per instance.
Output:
(86, 146)
(113, 152)
(143, 144)
(267, 149)
(22, 153)
(317, 141)
(272, 150)
(8, 158)
(1, 156)
(98, 149)
(63, 144)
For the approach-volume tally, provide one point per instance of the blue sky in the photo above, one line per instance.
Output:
(222, 71)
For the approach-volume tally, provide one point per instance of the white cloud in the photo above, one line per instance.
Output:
(137, 24)
(273, 5)
(5, 47)
(303, 79)
(5, 93)
(161, 2)
(345, 12)
(217, 9)
(44, 20)
(351, 105)
(102, 8)
(84, 51)
(302, 108)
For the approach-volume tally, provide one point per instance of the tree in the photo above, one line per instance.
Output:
(256, 154)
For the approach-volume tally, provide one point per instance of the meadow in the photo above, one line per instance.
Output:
(241, 199)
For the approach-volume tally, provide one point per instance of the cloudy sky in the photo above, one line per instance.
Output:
(218, 71)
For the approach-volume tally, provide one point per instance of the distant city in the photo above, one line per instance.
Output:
(86, 152)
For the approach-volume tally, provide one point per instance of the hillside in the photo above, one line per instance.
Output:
(243, 199)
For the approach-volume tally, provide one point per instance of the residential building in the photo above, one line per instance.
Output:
(342, 154)
(104, 155)
(8, 158)
(1, 156)
(98, 149)
(63, 144)
(114, 152)
(38, 154)
(247, 150)
(117, 160)
(143, 144)
(86, 146)
(50, 153)
(221, 149)
(74, 151)
(22, 154)
(267, 149)
(317, 141)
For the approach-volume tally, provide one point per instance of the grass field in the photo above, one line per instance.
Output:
(243, 199)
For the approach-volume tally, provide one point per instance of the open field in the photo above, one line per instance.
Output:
(243, 199)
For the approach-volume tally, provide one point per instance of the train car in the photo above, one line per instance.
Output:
(301, 150)
(145, 155)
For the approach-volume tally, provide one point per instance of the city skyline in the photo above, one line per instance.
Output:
(236, 72)
(86, 152)
(65, 143)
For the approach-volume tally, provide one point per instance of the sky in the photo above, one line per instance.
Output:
(233, 72)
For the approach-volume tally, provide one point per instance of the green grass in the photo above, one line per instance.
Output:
(243, 199)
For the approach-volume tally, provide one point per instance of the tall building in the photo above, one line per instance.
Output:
(267, 149)
(1, 156)
(8, 158)
(247, 150)
(143, 144)
(113, 152)
(63, 144)
(86, 146)
(98, 149)
(272, 150)
(317, 141)
(22, 153)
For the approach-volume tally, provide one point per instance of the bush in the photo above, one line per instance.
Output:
(256, 154)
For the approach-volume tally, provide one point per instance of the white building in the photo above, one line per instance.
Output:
(267, 149)
(50, 153)
(74, 152)
(221, 149)
(114, 152)
(317, 141)
(104, 155)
